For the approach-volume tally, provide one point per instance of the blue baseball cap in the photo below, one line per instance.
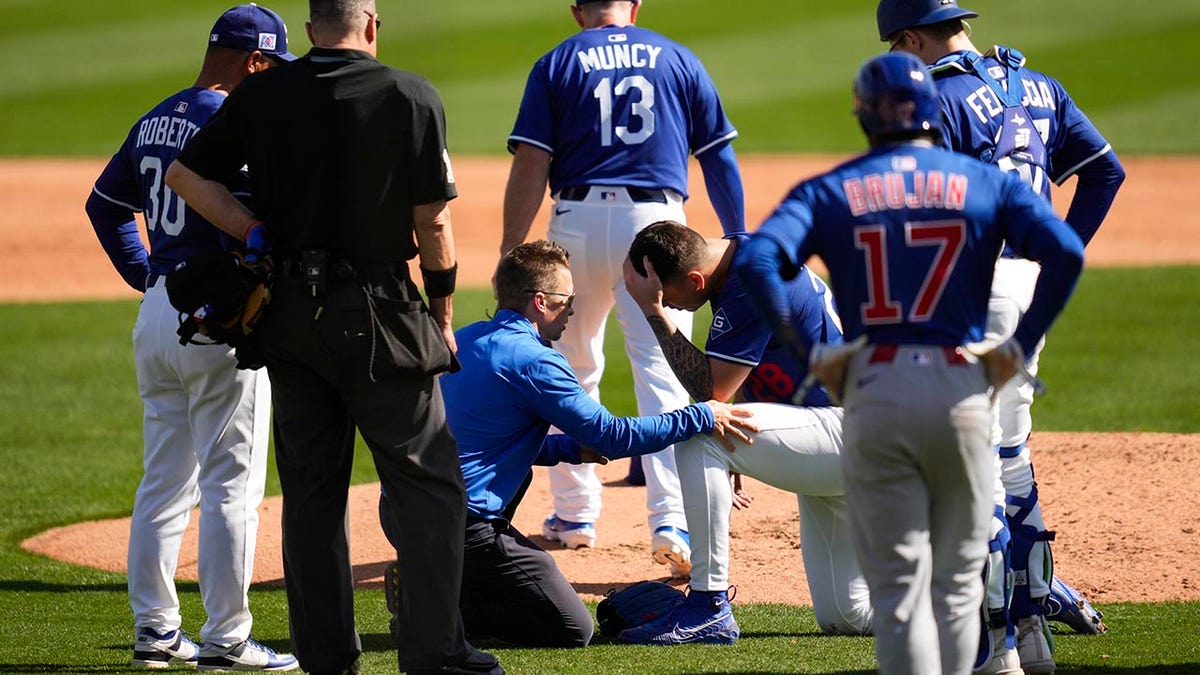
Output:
(896, 15)
(248, 28)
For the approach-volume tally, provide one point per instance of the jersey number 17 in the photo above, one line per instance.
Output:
(881, 308)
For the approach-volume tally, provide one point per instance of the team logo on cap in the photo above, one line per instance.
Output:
(267, 41)
(213, 38)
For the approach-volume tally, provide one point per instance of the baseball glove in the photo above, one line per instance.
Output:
(635, 605)
(221, 297)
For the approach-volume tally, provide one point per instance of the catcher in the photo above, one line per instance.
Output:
(511, 389)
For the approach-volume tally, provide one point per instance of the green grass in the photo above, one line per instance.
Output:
(70, 445)
(77, 73)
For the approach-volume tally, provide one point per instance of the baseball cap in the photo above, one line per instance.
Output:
(584, 2)
(250, 27)
(896, 15)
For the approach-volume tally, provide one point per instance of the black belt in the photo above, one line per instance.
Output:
(578, 193)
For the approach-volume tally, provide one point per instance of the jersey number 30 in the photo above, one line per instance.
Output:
(640, 108)
(881, 307)
(158, 208)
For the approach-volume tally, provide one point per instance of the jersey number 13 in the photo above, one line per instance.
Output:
(639, 107)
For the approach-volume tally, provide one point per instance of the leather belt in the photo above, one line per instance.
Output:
(578, 193)
(886, 353)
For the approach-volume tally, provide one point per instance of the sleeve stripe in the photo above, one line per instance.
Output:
(135, 209)
(731, 135)
(536, 144)
(1071, 172)
(731, 359)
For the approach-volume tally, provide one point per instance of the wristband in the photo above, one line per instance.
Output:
(439, 283)
(249, 227)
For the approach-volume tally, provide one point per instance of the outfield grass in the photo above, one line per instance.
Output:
(71, 449)
(76, 73)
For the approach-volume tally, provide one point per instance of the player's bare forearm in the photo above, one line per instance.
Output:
(688, 363)
(524, 194)
(210, 199)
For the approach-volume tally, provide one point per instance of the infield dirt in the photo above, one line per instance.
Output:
(1124, 505)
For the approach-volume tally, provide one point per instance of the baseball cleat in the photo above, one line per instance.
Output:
(1035, 645)
(248, 655)
(1068, 606)
(1004, 661)
(671, 545)
(569, 534)
(152, 649)
(704, 617)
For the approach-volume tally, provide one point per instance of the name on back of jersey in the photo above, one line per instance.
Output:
(891, 190)
(165, 130)
(986, 104)
(619, 55)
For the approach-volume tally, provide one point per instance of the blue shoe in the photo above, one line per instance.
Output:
(248, 655)
(572, 535)
(1068, 606)
(152, 649)
(704, 617)
(673, 545)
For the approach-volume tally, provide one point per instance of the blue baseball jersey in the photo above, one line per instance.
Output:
(910, 234)
(973, 114)
(133, 179)
(738, 335)
(620, 106)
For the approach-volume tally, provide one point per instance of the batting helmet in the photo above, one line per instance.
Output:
(894, 98)
(896, 15)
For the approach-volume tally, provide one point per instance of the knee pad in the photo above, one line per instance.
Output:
(1032, 562)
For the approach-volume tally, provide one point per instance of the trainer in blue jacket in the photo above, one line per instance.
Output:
(512, 387)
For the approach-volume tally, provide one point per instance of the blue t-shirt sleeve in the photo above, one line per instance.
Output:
(736, 334)
(1080, 140)
(535, 118)
(559, 448)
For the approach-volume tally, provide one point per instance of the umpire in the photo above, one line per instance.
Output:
(351, 177)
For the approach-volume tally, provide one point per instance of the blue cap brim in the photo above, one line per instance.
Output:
(945, 15)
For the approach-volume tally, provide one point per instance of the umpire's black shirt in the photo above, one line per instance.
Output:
(339, 148)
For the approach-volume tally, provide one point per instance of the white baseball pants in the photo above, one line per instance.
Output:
(919, 475)
(206, 425)
(798, 450)
(1013, 284)
(597, 232)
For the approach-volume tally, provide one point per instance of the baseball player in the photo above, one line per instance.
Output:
(910, 233)
(997, 110)
(205, 422)
(797, 448)
(608, 119)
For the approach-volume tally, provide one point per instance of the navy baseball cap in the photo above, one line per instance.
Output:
(896, 15)
(249, 27)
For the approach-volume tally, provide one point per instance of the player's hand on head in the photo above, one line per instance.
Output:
(732, 422)
(646, 291)
(828, 363)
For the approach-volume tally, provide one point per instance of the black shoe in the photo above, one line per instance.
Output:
(478, 663)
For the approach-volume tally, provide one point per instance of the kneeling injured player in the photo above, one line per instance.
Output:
(797, 447)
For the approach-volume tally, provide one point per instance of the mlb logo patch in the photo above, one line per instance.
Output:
(904, 163)
(619, 37)
(997, 72)
(267, 41)
(921, 357)
(608, 196)
(181, 107)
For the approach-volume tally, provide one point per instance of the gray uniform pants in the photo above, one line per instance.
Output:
(918, 472)
(322, 392)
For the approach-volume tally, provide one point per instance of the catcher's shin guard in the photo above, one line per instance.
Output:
(998, 590)
(1031, 555)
